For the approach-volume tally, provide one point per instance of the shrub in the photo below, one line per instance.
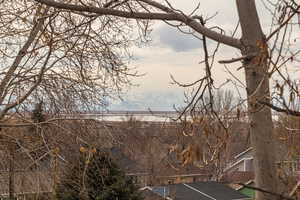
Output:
(96, 177)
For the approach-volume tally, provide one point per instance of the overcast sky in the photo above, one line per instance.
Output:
(172, 52)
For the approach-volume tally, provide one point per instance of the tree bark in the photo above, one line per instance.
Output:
(257, 82)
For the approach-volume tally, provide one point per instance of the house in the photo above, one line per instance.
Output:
(169, 171)
(242, 162)
(169, 175)
(197, 191)
(241, 169)
(237, 177)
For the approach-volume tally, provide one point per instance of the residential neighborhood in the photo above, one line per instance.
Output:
(146, 152)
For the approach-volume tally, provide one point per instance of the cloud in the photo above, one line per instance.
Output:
(172, 52)
(172, 38)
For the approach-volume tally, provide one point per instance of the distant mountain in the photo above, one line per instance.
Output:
(155, 100)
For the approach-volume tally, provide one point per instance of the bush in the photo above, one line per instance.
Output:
(96, 177)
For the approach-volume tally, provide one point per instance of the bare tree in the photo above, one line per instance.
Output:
(59, 62)
(60, 58)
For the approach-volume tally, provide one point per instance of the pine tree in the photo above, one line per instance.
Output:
(37, 113)
(96, 177)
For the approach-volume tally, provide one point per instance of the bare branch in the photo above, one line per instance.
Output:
(38, 26)
(245, 57)
(150, 16)
(284, 23)
(287, 111)
(28, 93)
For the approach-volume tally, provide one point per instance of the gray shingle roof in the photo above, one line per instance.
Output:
(199, 191)
(217, 190)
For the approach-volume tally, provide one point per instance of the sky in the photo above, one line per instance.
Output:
(173, 53)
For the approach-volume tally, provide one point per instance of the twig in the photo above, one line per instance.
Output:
(294, 189)
(295, 11)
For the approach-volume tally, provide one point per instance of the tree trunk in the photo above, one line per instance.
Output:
(257, 81)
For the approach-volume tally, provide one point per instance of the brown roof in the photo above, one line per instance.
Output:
(238, 177)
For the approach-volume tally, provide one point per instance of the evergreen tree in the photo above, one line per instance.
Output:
(96, 177)
(37, 113)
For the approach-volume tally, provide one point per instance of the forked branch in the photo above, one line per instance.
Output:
(165, 16)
